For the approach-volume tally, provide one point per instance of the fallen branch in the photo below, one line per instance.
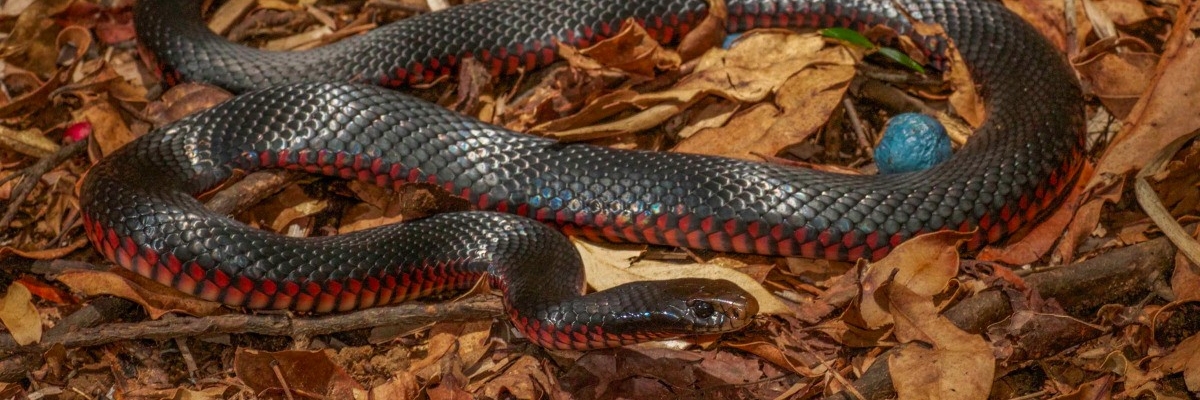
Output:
(409, 314)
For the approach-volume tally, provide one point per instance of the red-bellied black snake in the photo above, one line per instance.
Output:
(140, 212)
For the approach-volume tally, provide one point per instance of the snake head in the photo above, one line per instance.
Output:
(710, 306)
(679, 307)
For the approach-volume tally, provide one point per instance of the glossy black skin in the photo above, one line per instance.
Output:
(1015, 167)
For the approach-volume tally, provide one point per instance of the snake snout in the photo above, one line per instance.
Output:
(716, 305)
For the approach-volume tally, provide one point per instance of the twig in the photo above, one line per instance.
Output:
(856, 123)
(251, 190)
(30, 176)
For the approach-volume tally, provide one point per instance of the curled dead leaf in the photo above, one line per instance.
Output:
(1118, 70)
(631, 50)
(609, 265)
(1165, 112)
(154, 297)
(924, 265)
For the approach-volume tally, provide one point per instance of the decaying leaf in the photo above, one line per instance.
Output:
(610, 265)
(154, 297)
(1186, 359)
(754, 68)
(1165, 112)
(301, 371)
(1118, 70)
(938, 360)
(923, 265)
(19, 315)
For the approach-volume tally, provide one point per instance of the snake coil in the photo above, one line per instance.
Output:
(139, 209)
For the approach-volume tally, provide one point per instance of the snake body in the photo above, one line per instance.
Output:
(139, 209)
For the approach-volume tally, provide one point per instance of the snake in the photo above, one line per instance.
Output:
(327, 111)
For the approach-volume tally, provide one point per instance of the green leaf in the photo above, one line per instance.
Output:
(901, 58)
(849, 36)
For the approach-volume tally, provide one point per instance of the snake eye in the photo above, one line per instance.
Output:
(701, 308)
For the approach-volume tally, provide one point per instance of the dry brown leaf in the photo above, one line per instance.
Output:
(74, 38)
(1121, 12)
(402, 386)
(924, 265)
(47, 254)
(807, 99)
(228, 14)
(1184, 358)
(1166, 110)
(1185, 281)
(1118, 71)
(19, 315)
(182, 100)
(631, 50)
(775, 355)
(1087, 215)
(108, 128)
(608, 265)
(1178, 181)
(745, 136)
(468, 341)
(302, 371)
(756, 67)
(31, 42)
(947, 363)
(707, 34)
(29, 142)
(285, 210)
(523, 379)
(154, 297)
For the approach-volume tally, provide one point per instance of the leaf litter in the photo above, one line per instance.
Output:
(774, 96)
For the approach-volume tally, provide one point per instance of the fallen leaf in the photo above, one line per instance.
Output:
(469, 341)
(19, 315)
(1184, 358)
(1117, 70)
(608, 265)
(108, 128)
(156, 298)
(924, 265)
(523, 379)
(1166, 111)
(183, 100)
(47, 254)
(757, 66)
(269, 373)
(402, 386)
(29, 142)
(937, 360)
(1185, 281)
(631, 50)
(775, 355)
